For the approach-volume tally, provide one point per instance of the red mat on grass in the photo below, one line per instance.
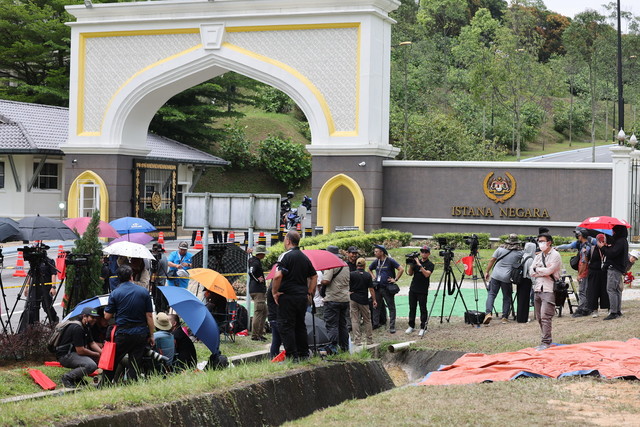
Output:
(610, 359)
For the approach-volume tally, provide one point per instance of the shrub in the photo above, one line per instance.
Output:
(235, 147)
(30, 344)
(286, 161)
(273, 100)
(581, 117)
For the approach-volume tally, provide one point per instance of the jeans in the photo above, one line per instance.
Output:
(335, 317)
(507, 289)
(293, 330)
(583, 285)
(614, 290)
(80, 366)
(416, 299)
(276, 340)
(384, 298)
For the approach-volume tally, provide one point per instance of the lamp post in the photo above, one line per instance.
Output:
(620, 91)
(406, 105)
(61, 206)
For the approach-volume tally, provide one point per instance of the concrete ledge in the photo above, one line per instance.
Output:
(268, 402)
(418, 363)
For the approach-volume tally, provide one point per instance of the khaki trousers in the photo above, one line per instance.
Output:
(259, 314)
(545, 307)
(360, 311)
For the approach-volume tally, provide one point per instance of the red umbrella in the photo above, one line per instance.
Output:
(80, 225)
(603, 222)
(320, 259)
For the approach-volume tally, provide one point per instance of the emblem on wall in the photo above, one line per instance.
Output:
(156, 201)
(499, 188)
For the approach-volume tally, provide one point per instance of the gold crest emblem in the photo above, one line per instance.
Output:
(500, 188)
(156, 201)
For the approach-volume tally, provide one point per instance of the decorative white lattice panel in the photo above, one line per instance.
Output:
(328, 57)
(111, 61)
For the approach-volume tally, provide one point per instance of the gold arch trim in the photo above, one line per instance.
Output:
(304, 80)
(324, 201)
(73, 197)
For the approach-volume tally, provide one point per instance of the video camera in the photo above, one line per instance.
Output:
(78, 260)
(411, 258)
(473, 243)
(157, 252)
(34, 253)
(446, 251)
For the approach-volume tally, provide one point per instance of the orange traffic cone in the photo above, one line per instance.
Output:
(232, 237)
(198, 242)
(60, 263)
(299, 228)
(280, 357)
(20, 266)
(262, 239)
(161, 238)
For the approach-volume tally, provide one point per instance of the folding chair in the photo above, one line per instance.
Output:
(227, 327)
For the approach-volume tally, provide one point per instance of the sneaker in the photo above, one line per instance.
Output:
(392, 330)
(487, 319)
(67, 383)
(504, 320)
(409, 330)
(421, 333)
(612, 316)
(542, 347)
(579, 313)
(595, 314)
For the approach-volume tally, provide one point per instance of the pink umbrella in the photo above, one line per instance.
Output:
(604, 222)
(80, 225)
(320, 259)
(141, 238)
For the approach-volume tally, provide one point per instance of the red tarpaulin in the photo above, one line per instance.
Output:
(611, 359)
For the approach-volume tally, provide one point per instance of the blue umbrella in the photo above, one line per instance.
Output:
(130, 224)
(195, 314)
(95, 302)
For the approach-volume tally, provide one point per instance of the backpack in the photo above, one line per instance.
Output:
(517, 270)
(54, 340)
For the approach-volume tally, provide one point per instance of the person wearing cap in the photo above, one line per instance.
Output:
(336, 303)
(384, 270)
(634, 256)
(258, 290)
(501, 261)
(360, 287)
(77, 350)
(421, 270)
(179, 262)
(352, 256)
(165, 342)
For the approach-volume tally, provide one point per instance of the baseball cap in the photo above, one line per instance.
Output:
(353, 249)
(425, 248)
(183, 245)
(260, 249)
(90, 311)
(333, 249)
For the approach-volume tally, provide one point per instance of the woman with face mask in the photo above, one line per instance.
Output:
(546, 268)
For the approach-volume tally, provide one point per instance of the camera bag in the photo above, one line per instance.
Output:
(473, 317)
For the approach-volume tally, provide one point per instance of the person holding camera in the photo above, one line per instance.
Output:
(501, 262)
(420, 268)
(40, 289)
(546, 269)
(384, 271)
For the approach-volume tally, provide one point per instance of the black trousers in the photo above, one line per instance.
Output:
(335, 317)
(134, 346)
(524, 297)
(416, 299)
(38, 295)
(378, 314)
(597, 290)
(293, 331)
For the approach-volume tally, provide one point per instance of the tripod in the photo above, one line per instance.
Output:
(4, 298)
(38, 294)
(451, 285)
(477, 268)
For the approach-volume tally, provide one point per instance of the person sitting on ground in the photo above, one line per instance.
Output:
(217, 306)
(165, 342)
(185, 356)
(77, 350)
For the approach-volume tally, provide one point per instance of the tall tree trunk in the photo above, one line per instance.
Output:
(592, 83)
(570, 113)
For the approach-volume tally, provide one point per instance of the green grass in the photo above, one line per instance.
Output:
(260, 124)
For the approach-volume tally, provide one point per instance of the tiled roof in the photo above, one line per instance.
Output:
(35, 128)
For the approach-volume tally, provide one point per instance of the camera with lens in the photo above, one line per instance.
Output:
(34, 253)
(446, 251)
(157, 251)
(411, 258)
(79, 260)
(473, 243)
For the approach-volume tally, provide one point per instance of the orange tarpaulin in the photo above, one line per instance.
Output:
(610, 359)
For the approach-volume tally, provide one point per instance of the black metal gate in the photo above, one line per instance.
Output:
(155, 195)
(634, 202)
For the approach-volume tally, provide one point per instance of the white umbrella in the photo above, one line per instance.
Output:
(128, 249)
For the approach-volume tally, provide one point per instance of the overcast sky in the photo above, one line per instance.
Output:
(571, 7)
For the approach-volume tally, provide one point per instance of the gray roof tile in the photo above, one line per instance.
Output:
(26, 127)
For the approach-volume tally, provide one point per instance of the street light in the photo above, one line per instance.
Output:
(620, 91)
(61, 206)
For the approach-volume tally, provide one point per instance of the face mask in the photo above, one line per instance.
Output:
(543, 246)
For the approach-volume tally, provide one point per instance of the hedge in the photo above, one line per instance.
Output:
(557, 240)
(343, 240)
(458, 239)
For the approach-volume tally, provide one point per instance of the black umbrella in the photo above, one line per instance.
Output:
(322, 337)
(9, 230)
(44, 228)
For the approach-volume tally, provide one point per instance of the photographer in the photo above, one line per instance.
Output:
(383, 272)
(159, 268)
(179, 263)
(77, 349)
(40, 287)
(503, 258)
(420, 268)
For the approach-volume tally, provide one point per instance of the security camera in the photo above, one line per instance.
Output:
(362, 164)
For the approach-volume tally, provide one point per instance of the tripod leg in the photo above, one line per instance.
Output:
(458, 287)
(478, 265)
(435, 298)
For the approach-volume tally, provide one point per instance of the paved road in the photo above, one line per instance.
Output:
(582, 155)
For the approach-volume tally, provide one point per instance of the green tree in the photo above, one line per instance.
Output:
(235, 147)
(445, 17)
(83, 281)
(285, 160)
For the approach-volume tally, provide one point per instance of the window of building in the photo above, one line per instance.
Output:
(180, 190)
(1, 174)
(49, 176)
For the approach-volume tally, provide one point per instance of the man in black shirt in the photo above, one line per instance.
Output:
(77, 350)
(616, 256)
(293, 287)
(40, 290)
(421, 271)
(352, 257)
(257, 290)
(360, 287)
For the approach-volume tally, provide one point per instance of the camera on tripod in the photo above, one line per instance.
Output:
(411, 258)
(157, 252)
(446, 251)
(78, 260)
(473, 243)
(34, 253)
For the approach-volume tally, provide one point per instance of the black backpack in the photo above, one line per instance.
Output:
(517, 270)
(54, 340)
